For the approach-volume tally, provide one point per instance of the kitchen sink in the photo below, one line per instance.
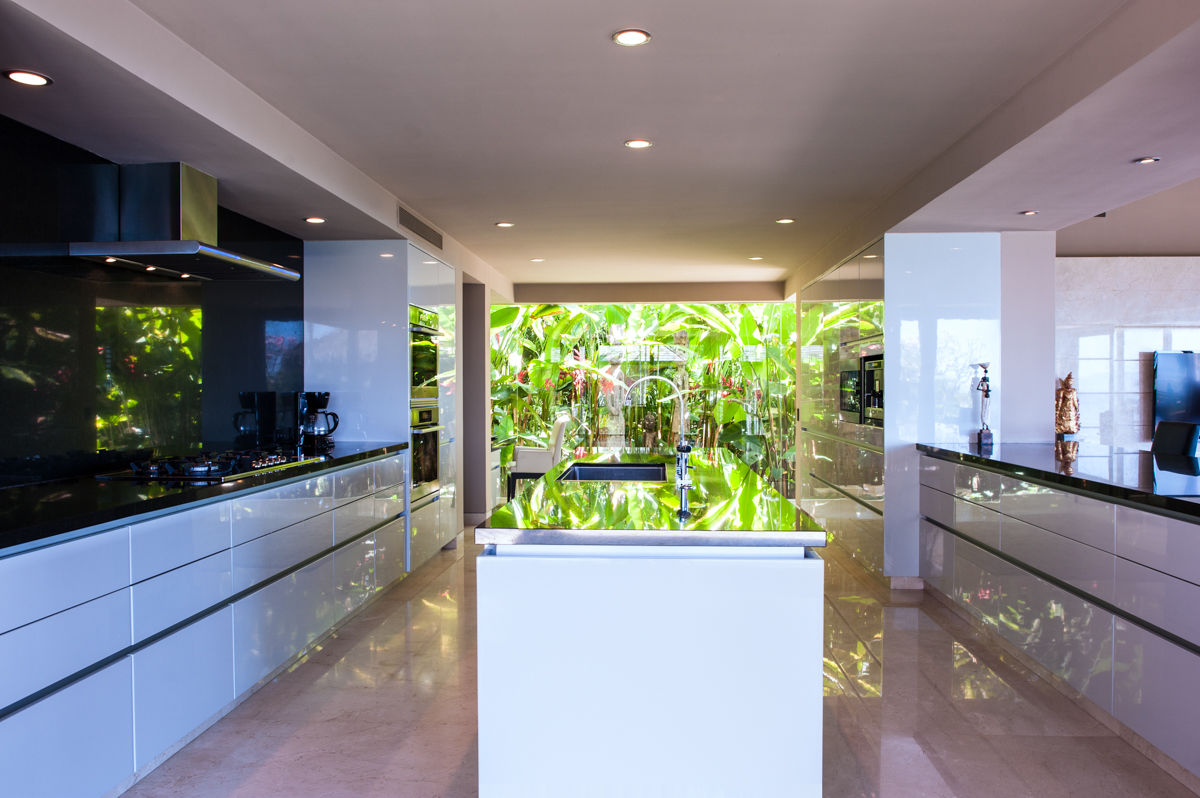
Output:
(615, 472)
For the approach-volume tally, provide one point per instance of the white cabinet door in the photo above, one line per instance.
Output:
(158, 545)
(390, 552)
(424, 532)
(180, 682)
(78, 741)
(422, 278)
(448, 470)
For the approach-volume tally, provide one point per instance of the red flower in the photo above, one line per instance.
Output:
(548, 384)
(522, 376)
(580, 451)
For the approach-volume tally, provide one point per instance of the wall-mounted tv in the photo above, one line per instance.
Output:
(1176, 387)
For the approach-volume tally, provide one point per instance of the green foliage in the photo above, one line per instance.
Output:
(738, 364)
(148, 375)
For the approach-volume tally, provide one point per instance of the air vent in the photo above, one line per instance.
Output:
(406, 219)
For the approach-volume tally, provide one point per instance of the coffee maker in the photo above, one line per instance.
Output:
(315, 423)
(255, 422)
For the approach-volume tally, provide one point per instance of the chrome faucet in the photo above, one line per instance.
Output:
(683, 471)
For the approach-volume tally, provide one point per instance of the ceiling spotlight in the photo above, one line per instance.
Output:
(631, 37)
(429, 262)
(110, 260)
(151, 268)
(870, 256)
(184, 276)
(27, 78)
(315, 220)
(755, 258)
(387, 254)
(1147, 159)
(504, 224)
(639, 144)
(1029, 213)
(785, 221)
(537, 260)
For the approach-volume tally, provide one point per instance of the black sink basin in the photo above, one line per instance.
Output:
(615, 472)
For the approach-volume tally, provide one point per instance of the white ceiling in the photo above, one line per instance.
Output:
(474, 112)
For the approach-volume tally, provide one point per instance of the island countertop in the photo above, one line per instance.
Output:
(730, 505)
(35, 515)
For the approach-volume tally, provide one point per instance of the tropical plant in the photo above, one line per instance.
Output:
(148, 375)
(735, 362)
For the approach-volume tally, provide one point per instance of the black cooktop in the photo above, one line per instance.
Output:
(211, 466)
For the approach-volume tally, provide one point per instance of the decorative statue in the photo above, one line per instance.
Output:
(612, 385)
(1065, 453)
(984, 386)
(1066, 407)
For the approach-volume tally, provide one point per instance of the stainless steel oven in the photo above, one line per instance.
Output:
(426, 435)
(423, 338)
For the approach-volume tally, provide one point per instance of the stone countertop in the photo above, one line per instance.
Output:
(48, 512)
(730, 505)
(1155, 483)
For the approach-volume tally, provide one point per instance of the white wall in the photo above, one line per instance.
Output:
(356, 335)
(1111, 314)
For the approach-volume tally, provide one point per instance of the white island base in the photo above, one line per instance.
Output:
(631, 671)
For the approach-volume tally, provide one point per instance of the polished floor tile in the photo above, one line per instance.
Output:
(916, 704)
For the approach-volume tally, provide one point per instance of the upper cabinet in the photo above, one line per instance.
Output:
(424, 278)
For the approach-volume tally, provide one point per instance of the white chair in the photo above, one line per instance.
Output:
(530, 462)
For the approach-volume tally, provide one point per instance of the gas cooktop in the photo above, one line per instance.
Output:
(209, 467)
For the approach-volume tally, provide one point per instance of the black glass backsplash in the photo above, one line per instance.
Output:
(93, 357)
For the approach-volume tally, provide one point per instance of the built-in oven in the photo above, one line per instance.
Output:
(426, 434)
(423, 337)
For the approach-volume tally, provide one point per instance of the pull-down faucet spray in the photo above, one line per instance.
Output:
(683, 471)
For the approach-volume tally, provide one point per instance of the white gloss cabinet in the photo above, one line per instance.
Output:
(390, 541)
(180, 682)
(173, 540)
(172, 597)
(38, 583)
(425, 532)
(76, 742)
(265, 511)
(589, 691)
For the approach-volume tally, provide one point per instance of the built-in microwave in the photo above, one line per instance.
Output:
(425, 440)
(423, 337)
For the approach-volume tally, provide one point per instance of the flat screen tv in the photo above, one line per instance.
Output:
(1176, 387)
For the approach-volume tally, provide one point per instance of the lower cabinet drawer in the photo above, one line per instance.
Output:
(353, 518)
(390, 552)
(76, 742)
(425, 533)
(39, 654)
(171, 597)
(272, 625)
(180, 682)
(266, 556)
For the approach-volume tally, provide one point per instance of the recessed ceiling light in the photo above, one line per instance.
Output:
(785, 221)
(537, 260)
(1029, 213)
(639, 144)
(184, 276)
(870, 256)
(755, 258)
(1147, 159)
(631, 37)
(315, 220)
(151, 268)
(504, 224)
(27, 78)
(110, 260)
(429, 262)
(387, 254)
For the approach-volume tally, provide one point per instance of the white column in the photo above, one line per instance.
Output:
(1027, 336)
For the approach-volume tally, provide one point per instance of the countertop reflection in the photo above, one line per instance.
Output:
(730, 506)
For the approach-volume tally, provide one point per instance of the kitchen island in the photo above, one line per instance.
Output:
(624, 650)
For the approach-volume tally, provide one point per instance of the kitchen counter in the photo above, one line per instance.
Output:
(1155, 483)
(730, 505)
(51, 512)
(598, 605)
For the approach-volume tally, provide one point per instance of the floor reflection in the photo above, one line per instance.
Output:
(916, 704)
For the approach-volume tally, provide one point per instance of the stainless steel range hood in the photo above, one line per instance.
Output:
(168, 219)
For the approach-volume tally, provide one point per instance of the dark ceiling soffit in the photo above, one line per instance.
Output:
(583, 293)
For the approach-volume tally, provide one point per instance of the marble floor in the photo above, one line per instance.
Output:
(915, 705)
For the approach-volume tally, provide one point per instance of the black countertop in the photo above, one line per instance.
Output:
(1131, 476)
(36, 515)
